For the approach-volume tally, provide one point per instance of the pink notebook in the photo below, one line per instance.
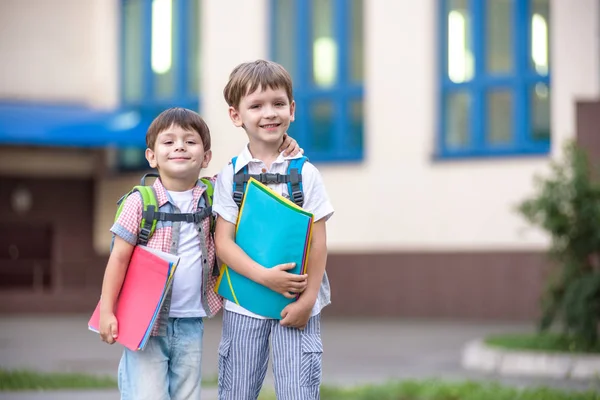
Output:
(148, 277)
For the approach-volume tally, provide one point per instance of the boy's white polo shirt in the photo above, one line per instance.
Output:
(316, 200)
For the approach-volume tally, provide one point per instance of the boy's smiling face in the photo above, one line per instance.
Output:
(178, 154)
(264, 114)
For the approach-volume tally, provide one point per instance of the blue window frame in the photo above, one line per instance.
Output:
(160, 62)
(320, 42)
(160, 53)
(495, 78)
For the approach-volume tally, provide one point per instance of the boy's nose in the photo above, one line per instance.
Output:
(269, 112)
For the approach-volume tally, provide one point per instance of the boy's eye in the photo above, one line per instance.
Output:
(280, 104)
(191, 142)
(168, 142)
(255, 106)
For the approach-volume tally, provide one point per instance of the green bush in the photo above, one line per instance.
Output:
(567, 207)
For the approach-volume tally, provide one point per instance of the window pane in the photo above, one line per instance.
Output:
(540, 112)
(324, 46)
(499, 117)
(285, 35)
(132, 52)
(321, 126)
(193, 61)
(131, 159)
(499, 36)
(356, 124)
(357, 50)
(460, 50)
(458, 129)
(540, 33)
(163, 43)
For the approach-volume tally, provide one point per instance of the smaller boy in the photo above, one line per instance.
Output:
(259, 95)
(178, 145)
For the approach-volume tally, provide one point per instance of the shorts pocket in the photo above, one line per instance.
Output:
(312, 354)
(225, 367)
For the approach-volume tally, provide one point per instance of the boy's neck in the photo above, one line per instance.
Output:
(265, 152)
(178, 185)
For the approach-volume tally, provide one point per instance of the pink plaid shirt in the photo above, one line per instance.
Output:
(166, 238)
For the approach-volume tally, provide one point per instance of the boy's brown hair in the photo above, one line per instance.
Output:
(182, 117)
(247, 77)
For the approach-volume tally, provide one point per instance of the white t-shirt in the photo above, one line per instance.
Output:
(316, 200)
(187, 281)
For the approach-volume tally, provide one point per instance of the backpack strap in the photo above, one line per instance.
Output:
(294, 183)
(293, 178)
(149, 210)
(239, 182)
(208, 200)
(151, 215)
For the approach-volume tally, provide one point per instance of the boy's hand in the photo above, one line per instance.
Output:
(108, 327)
(290, 146)
(296, 315)
(283, 282)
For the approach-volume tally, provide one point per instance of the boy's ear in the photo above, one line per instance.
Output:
(151, 157)
(292, 110)
(207, 158)
(235, 116)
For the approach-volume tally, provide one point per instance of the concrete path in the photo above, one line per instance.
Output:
(356, 351)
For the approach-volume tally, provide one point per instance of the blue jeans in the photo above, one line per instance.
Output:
(169, 368)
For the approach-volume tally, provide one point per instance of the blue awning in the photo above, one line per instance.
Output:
(72, 126)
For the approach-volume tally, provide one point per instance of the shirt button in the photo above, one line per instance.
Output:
(264, 170)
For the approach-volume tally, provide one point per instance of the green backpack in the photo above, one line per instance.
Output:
(151, 215)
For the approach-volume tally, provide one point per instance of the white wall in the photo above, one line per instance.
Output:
(59, 50)
(416, 203)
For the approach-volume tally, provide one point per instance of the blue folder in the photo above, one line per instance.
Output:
(272, 230)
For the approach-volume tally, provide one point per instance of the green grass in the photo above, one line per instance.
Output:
(550, 342)
(436, 390)
(19, 380)
(31, 380)
(406, 390)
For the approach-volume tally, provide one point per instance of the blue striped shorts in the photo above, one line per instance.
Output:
(244, 357)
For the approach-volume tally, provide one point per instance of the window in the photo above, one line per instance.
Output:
(160, 62)
(320, 42)
(495, 78)
(160, 53)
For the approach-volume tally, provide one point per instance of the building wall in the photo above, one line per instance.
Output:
(429, 237)
(413, 202)
(409, 201)
(59, 51)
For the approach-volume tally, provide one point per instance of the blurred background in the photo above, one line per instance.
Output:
(428, 120)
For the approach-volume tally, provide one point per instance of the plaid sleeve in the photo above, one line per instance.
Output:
(127, 226)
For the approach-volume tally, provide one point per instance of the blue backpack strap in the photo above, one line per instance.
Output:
(294, 172)
(239, 182)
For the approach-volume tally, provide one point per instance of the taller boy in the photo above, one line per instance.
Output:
(259, 95)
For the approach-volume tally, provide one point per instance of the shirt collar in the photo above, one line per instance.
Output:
(162, 197)
(245, 158)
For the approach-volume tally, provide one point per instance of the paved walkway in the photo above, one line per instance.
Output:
(356, 351)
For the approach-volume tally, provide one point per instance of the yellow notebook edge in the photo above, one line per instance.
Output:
(276, 196)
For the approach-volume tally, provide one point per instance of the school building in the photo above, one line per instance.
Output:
(428, 120)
